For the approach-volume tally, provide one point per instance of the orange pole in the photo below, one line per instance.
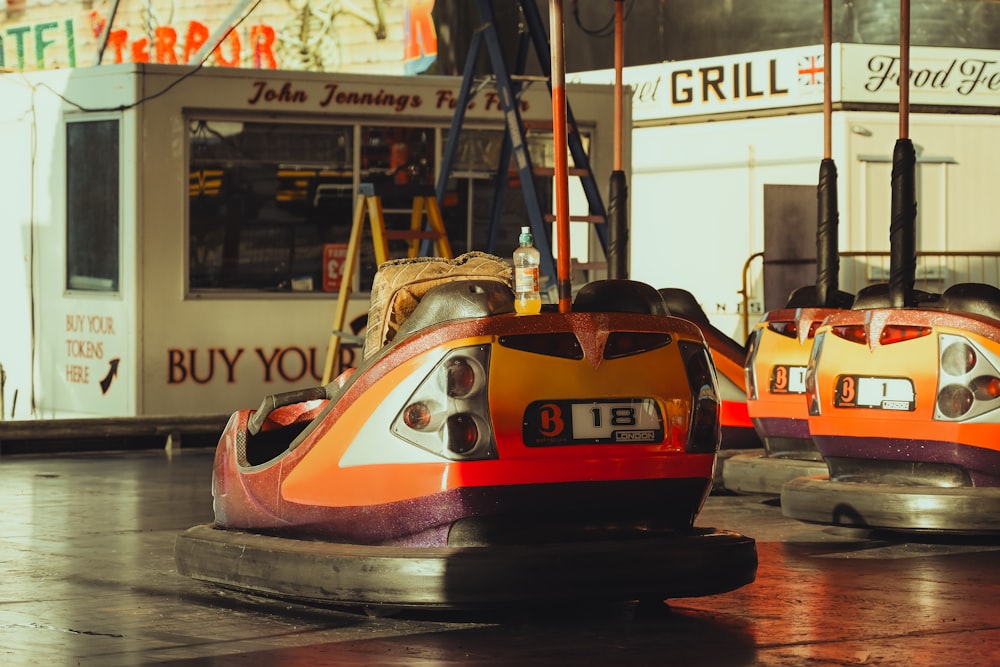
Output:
(827, 78)
(619, 66)
(904, 69)
(560, 143)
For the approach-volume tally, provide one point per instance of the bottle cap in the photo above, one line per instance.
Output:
(525, 236)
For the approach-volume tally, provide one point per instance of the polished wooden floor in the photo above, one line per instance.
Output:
(88, 578)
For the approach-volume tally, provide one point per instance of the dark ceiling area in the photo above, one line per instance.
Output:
(660, 30)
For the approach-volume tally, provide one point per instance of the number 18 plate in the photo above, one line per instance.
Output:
(635, 420)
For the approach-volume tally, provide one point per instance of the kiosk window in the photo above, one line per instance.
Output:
(264, 199)
(271, 205)
(92, 205)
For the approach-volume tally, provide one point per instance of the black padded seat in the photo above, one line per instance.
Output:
(682, 303)
(878, 296)
(924, 299)
(974, 298)
(805, 297)
(873, 296)
(619, 296)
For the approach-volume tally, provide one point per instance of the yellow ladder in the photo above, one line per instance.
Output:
(369, 206)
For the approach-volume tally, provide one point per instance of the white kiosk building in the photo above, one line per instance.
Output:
(171, 236)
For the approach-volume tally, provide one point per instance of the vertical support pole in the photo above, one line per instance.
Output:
(827, 223)
(904, 69)
(903, 225)
(827, 78)
(617, 253)
(580, 158)
(559, 143)
(619, 67)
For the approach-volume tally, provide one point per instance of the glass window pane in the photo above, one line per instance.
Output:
(467, 207)
(400, 161)
(92, 205)
(268, 200)
(264, 198)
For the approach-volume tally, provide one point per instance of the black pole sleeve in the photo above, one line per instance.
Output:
(618, 226)
(903, 227)
(827, 243)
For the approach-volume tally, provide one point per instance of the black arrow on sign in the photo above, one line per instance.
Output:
(112, 372)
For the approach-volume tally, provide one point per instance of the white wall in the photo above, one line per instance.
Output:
(957, 195)
(19, 203)
(78, 339)
(697, 201)
(697, 193)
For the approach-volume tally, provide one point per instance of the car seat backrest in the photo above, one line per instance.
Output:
(872, 296)
(401, 284)
(619, 296)
(806, 297)
(802, 297)
(878, 296)
(974, 298)
(682, 303)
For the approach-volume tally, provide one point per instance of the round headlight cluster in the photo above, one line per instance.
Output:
(448, 414)
(968, 383)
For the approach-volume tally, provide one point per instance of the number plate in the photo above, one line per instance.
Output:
(630, 420)
(882, 393)
(788, 379)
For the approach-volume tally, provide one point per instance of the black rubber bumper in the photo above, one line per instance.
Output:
(755, 473)
(701, 562)
(861, 505)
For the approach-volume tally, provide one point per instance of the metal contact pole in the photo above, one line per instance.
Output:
(560, 145)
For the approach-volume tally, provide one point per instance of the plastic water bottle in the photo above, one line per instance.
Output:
(526, 260)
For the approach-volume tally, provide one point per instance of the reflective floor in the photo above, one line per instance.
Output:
(88, 579)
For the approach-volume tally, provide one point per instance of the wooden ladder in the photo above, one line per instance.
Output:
(369, 207)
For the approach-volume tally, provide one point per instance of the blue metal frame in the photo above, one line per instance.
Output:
(515, 141)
